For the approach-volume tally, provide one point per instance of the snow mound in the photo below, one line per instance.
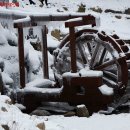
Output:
(105, 90)
(14, 119)
(40, 83)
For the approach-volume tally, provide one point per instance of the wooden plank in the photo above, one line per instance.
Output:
(45, 54)
(94, 55)
(73, 50)
(21, 57)
(1, 84)
(78, 23)
(81, 50)
(105, 65)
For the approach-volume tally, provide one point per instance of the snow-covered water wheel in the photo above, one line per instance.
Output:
(95, 51)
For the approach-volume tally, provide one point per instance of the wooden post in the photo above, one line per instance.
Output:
(1, 84)
(45, 54)
(21, 57)
(73, 50)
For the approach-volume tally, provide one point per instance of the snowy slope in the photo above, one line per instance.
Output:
(73, 4)
(110, 22)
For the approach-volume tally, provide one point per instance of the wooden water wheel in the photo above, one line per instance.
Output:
(95, 51)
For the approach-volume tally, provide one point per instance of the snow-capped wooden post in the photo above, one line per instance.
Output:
(72, 46)
(45, 54)
(21, 57)
(1, 84)
(20, 24)
(73, 49)
(71, 24)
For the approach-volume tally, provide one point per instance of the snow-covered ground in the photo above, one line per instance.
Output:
(95, 122)
(12, 117)
(110, 23)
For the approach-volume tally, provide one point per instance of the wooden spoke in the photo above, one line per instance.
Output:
(109, 82)
(94, 56)
(110, 75)
(104, 65)
(102, 56)
(89, 48)
(81, 50)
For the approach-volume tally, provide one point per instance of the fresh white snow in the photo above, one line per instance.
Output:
(105, 90)
(16, 120)
(9, 54)
(11, 116)
(95, 122)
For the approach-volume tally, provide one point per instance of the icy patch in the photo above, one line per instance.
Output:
(105, 90)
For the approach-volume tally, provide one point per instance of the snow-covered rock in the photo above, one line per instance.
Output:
(82, 111)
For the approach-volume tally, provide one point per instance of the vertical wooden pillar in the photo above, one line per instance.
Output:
(21, 57)
(1, 84)
(45, 53)
(73, 50)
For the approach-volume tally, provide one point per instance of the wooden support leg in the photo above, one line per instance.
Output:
(45, 54)
(1, 84)
(73, 50)
(21, 57)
